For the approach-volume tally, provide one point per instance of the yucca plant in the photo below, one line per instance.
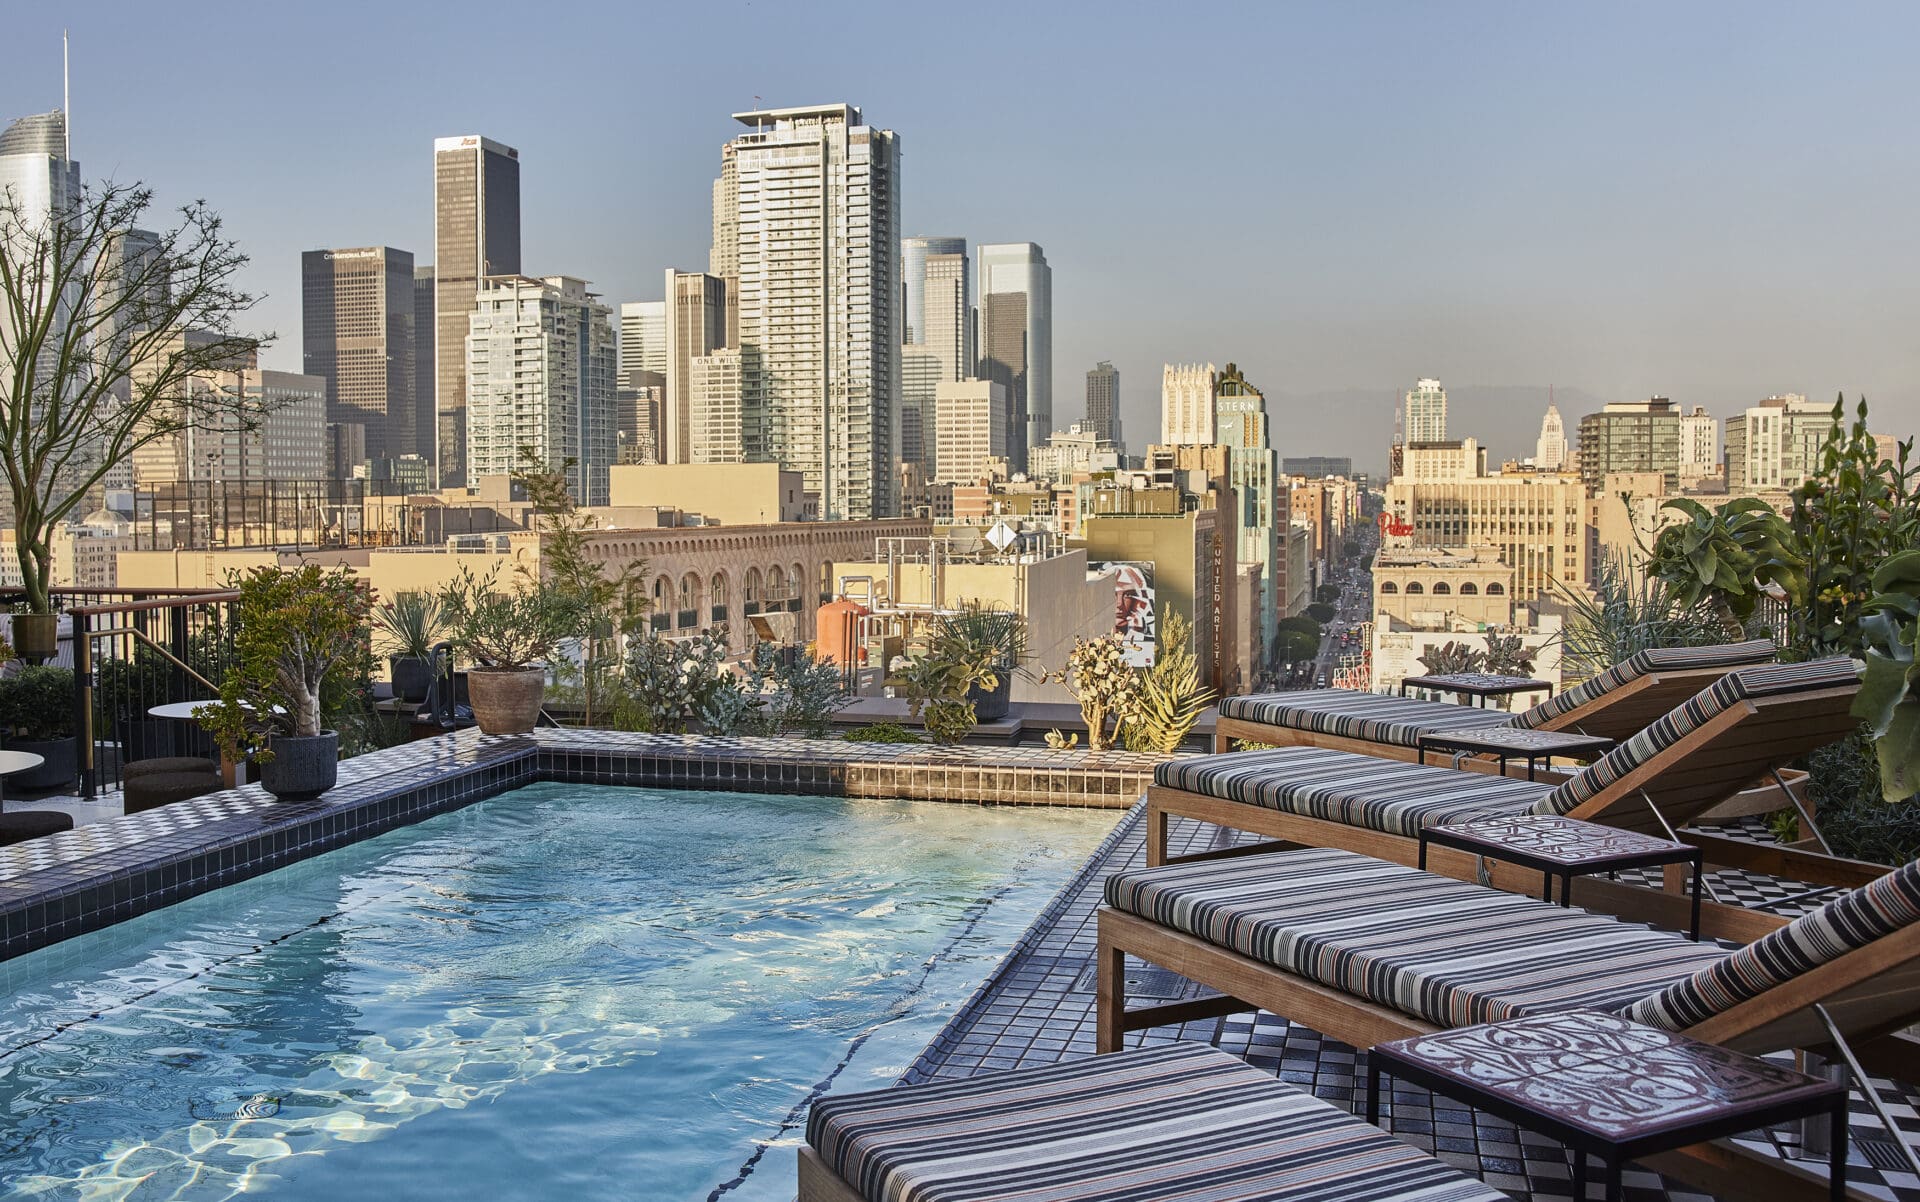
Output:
(1170, 697)
(411, 622)
(1627, 612)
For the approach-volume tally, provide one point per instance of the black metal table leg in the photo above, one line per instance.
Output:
(1837, 1151)
(1373, 1092)
(1613, 1179)
(1579, 1175)
(1699, 870)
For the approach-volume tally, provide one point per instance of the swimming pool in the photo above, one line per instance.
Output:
(563, 991)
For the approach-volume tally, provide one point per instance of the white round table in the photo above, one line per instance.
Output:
(16, 761)
(180, 711)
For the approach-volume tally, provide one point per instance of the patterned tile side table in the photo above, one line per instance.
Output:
(1609, 1087)
(1564, 847)
(1516, 742)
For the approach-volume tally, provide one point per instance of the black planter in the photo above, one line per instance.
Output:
(992, 706)
(303, 766)
(62, 766)
(412, 676)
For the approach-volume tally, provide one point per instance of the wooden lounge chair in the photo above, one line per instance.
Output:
(1364, 951)
(1616, 704)
(1746, 724)
(1169, 1122)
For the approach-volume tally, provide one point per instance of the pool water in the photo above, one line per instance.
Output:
(561, 992)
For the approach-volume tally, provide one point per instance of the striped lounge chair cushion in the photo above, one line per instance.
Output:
(1765, 681)
(1371, 717)
(1646, 663)
(1442, 950)
(1345, 787)
(1851, 920)
(1183, 1121)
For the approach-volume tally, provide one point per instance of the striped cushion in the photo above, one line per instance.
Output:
(1372, 717)
(1182, 1121)
(1852, 920)
(1443, 950)
(1765, 681)
(1645, 663)
(1345, 787)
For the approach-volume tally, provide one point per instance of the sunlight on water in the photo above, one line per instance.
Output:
(560, 992)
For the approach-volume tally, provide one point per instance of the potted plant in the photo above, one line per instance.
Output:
(36, 707)
(411, 622)
(292, 628)
(994, 638)
(36, 635)
(507, 636)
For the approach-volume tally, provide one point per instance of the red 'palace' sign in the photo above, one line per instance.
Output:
(1390, 525)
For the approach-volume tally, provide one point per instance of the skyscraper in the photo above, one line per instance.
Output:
(1187, 404)
(1103, 402)
(973, 428)
(816, 219)
(1254, 471)
(1776, 444)
(1005, 269)
(920, 371)
(948, 315)
(1630, 436)
(914, 254)
(1427, 412)
(723, 259)
(39, 180)
(540, 365)
(1550, 452)
(696, 325)
(357, 333)
(713, 406)
(425, 365)
(476, 233)
(643, 344)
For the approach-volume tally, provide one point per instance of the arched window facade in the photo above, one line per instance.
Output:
(690, 600)
(717, 596)
(1496, 589)
(1442, 589)
(756, 593)
(1388, 586)
(1414, 586)
(1469, 589)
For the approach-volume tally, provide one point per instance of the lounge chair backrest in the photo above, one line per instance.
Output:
(1769, 680)
(1645, 663)
(1852, 920)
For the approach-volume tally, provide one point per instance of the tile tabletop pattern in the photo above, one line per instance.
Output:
(76, 881)
(1554, 839)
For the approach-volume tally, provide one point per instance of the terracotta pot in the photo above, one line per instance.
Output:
(506, 701)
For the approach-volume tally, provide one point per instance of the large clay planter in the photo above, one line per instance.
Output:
(506, 701)
(303, 766)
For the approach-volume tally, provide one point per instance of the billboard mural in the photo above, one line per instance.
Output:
(1134, 619)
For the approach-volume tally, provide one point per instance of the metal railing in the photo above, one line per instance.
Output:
(133, 650)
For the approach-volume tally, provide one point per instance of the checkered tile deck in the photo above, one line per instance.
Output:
(1039, 1008)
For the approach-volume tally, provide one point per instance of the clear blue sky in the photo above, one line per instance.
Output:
(1710, 201)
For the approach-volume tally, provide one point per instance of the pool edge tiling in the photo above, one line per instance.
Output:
(64, 885)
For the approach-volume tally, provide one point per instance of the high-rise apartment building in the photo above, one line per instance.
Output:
(1187, 404)
(1005, 270)
(975, 427)
(357, 332)
(540, 366)
(1699, 446)
(1631, 436)
(1775, 444)
(816, 219)
(1103, 403)
(288, 441)
(643, 344)
(476, 234)
(914, 254)
(1426, 412)
(1550, 452)
(713, 406)
(696, 325)
(1240, 424)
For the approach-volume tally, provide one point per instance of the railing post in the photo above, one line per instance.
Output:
(83, 699)
(177, 643)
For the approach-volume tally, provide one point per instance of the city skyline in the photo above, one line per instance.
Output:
(1764, 260)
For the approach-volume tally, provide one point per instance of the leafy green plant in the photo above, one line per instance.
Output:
(793, 692)
(1727, 558)
(1320, 612)
(1061, 741)
(975, 629)
(1105, 685)
(1327, 594)
(670, 682)
(1452, 658)
(411, 622)
(1889, 699)
(882, 732)
(293, 628)
(1851, 514)
(495, 627)
(1627, 612)
(1849, 802)
(950, 721)
(1171, 697)
(36, 703)
(1507, 655)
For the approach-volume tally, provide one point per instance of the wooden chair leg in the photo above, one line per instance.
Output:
(1110, 997)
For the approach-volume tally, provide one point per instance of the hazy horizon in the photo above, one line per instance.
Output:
(1704, 203)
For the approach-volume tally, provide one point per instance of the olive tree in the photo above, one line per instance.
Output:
(110, 340)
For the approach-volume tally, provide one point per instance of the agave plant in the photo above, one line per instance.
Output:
(1627, 612)
(1170, 698)
(411, 622)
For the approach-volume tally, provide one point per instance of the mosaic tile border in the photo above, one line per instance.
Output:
(82, 880)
